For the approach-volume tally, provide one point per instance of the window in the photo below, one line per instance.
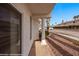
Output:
(10, 30)
(30, 27)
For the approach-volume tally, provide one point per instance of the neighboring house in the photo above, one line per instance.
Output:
(69, 25)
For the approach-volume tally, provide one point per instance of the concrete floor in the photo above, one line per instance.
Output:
(42, 50)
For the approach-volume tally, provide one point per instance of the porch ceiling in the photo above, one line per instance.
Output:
(40, 8)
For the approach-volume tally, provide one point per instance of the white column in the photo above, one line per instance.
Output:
(48, 24)
(43, 41)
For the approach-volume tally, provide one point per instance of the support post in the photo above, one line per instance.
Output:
(43, 41)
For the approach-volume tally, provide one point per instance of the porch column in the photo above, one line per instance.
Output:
(43, 41)
(48, 24)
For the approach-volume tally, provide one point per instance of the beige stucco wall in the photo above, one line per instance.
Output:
(26, 42)
(35, 30)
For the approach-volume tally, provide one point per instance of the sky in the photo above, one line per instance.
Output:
(64, 11)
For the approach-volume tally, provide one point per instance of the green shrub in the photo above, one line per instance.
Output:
(46, 33)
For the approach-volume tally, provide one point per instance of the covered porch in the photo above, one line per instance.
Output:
(41, 12)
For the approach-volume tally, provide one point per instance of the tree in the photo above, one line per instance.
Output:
(74, 17)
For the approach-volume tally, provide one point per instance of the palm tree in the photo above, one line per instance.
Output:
(78, 16)
(74, 17)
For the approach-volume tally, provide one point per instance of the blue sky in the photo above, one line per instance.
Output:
(64, 11)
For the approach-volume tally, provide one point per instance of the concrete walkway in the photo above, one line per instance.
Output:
(42, 50)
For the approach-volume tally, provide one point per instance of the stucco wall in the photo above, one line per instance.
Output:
(26, 42)
(35, 30)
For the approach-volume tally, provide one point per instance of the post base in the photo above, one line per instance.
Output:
(43, 42)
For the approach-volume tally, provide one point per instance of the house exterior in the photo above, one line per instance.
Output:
(69, 25)
(68, 28)
(23, 25)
